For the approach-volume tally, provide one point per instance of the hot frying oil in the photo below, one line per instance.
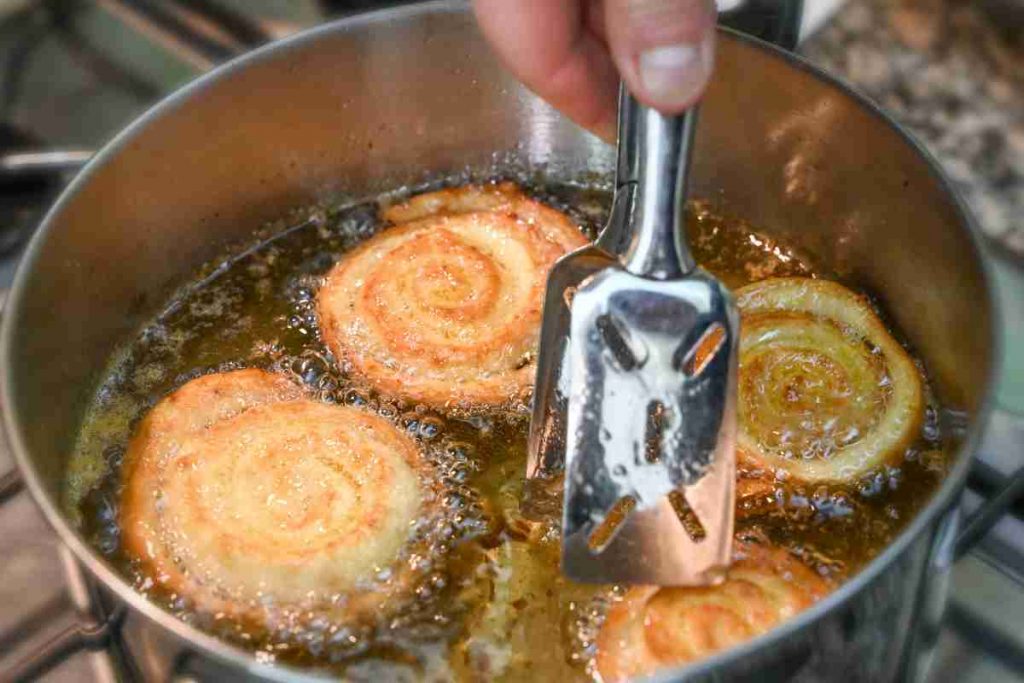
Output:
(494, 606)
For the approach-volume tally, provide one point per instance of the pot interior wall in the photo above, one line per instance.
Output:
(381, 104)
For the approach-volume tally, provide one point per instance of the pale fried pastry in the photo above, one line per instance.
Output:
(242, 494)
(825, 392)
(652, 628)
(445, 310)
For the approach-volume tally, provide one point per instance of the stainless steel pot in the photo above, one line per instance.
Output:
(395, 97)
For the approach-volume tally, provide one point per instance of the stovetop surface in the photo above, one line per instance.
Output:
(71, 74)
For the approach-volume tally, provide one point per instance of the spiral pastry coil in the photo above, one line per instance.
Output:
(445, 309)
(242, 494)
(825, 392)
(651, 628)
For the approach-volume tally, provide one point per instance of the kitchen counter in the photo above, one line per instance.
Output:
(943, 69)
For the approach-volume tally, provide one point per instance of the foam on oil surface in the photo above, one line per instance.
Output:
(488, 600)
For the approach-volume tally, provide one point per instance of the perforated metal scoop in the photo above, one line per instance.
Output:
(651, 385)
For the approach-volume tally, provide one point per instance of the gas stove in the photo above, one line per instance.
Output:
(73, 72)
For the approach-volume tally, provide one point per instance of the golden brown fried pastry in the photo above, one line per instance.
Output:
(445, 310)
(825, 392)
(652, 628)
(501, 198)
(241, 493)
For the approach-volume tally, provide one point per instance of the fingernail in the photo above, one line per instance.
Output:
(675, 75)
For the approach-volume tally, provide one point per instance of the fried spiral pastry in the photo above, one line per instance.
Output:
(243, 494)
(825, 392)
(445, 309)
(652, 628)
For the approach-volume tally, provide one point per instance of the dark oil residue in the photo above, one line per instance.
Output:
(498, 607)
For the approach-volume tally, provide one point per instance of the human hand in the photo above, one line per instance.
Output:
(573, 52)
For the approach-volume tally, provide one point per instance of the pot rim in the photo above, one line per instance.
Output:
(220, 650)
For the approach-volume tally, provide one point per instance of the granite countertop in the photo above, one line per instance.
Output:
(945, 70)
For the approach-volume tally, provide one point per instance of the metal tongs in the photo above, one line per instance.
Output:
(636, 377)
(651, 425)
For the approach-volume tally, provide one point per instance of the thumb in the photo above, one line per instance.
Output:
(664, 49)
